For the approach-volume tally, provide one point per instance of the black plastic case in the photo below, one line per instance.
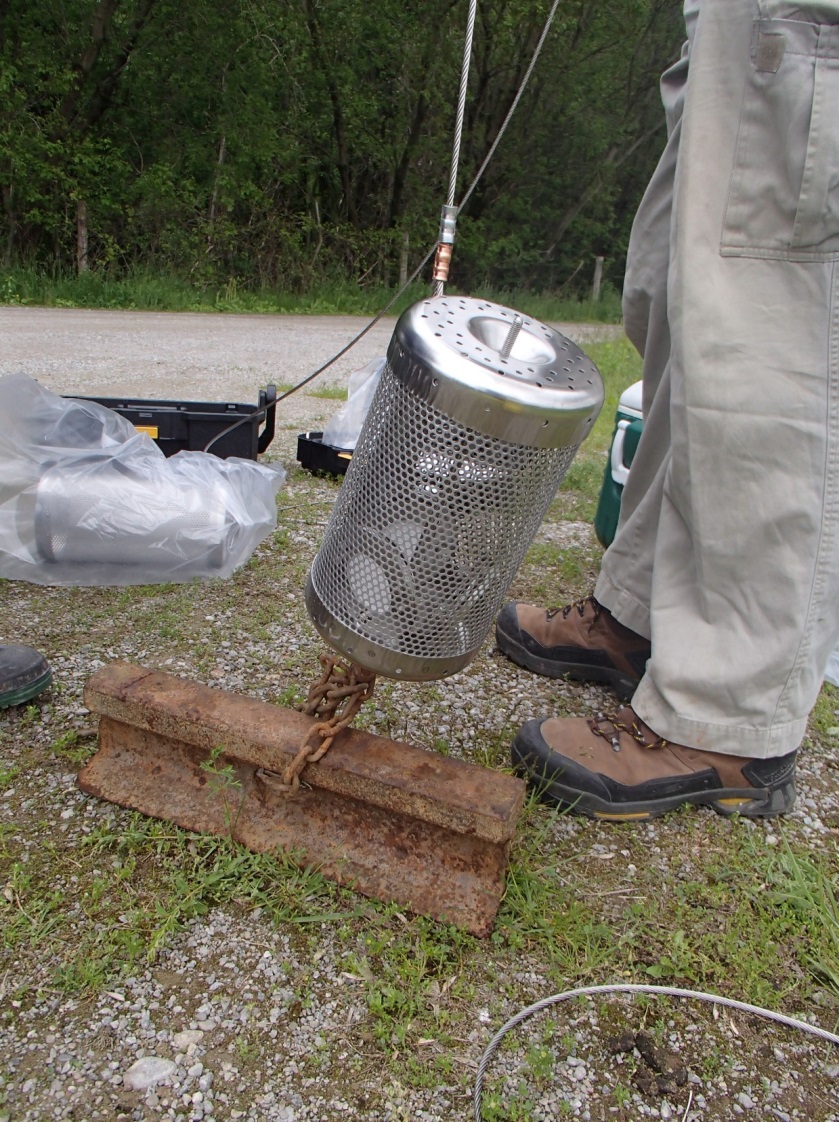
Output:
(198, 426)
(314, 455)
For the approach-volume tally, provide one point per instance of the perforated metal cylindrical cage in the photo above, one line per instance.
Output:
(476, 419)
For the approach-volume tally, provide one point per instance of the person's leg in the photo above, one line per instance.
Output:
(625, 581)
(745, 574)
(746, 567)
(24, 673)
(605, 638)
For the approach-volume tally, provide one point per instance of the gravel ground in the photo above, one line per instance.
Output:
(193, 356)
(236, 1016)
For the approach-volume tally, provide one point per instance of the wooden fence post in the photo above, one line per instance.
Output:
(403, 260)
(82, 264)
(598, 279)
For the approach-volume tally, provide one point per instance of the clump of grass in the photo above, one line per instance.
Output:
(824, 719)
(556, 306)
(131, 910)
(224, 782)
(330, 393)
(803, 887)
(76, 749)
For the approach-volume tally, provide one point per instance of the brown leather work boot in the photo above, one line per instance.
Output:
(582, 640)
(618, 768)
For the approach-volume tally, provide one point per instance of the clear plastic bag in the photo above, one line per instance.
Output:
(831, 673)
(343, 428)
(86, 499)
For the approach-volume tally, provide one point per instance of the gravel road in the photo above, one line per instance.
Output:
(201, 357)
(193, 356)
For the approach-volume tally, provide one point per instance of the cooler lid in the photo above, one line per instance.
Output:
(631, 400)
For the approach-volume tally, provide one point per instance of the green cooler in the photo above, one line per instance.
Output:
(629, 423)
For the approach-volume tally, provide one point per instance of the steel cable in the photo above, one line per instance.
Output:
(439, 285)
(452, 180)
(461, 100)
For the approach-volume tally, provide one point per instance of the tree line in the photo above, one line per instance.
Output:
(287, 143)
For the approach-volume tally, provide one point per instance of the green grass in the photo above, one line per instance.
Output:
(144, 292)
(620, 366)
(159, 878)
(75, 749)
(750, 920)
(553, 306)
(330, 393)
(803, 887)
(8, 776)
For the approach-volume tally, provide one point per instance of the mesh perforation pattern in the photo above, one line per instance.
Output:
(430, 526)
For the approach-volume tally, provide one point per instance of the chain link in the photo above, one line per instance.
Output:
(335, 698)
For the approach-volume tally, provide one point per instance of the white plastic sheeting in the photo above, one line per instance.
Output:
(86, 499)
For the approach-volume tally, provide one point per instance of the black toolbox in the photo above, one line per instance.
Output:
(199, 426)
(314, 455)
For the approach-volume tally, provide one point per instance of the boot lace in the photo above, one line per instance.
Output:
(578, 605)
(610, 728)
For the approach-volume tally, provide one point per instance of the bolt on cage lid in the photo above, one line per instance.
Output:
(497, 371)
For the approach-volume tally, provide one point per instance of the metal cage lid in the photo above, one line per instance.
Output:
(497, 371)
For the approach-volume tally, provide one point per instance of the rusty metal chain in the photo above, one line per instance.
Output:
(335, 698)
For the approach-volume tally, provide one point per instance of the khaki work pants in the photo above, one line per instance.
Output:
(727, 551)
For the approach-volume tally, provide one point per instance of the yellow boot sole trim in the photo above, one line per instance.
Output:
(622, 817)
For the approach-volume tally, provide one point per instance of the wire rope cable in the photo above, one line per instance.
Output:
(666, 991)
(513, 105)
(457, 142)
(461, 100)
(467, 51)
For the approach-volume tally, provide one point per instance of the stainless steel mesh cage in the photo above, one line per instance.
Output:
(476, 419)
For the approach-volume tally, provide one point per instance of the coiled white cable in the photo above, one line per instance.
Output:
(667, 991)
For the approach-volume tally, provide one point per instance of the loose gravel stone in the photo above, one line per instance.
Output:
(147, 1072)
(182, 1041)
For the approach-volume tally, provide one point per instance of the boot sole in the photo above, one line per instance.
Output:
(728, 801)
(27, 692)
(623, 685)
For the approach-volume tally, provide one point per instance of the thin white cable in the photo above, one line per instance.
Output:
(667, 991)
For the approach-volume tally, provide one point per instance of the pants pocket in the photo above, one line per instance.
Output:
(783, 199)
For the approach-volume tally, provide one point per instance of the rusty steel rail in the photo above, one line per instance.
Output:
(389, 820)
